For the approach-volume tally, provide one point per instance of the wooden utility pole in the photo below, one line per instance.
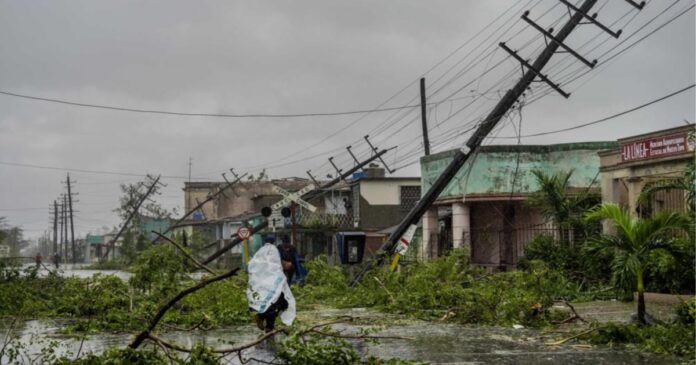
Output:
(130, 216)
(64, 214)
(200, 204)
(424, 117)
(72, 225)
(460, 158)
(55, 227)
(310, 195)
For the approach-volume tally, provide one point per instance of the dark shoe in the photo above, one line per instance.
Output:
(259, 322)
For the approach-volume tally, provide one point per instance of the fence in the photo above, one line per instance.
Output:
(501, 247)
(308, 219)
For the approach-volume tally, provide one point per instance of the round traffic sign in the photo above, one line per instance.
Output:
(243, 233)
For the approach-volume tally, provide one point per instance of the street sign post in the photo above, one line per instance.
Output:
(243, 233)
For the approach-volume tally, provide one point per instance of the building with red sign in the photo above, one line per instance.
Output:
(642, 159)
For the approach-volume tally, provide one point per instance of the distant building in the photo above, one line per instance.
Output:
(240, 205)
(483, 208)
(639, 160)
(379, 202)
(93, 247)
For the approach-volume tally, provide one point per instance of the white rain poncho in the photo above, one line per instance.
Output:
(267, 281)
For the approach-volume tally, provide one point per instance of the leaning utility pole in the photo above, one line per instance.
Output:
(460, 158)
(201, 204)
(132, 214)
(424, 118)
(310, 195)
(72, 226)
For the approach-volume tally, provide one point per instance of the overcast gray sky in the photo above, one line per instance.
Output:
(288, 57)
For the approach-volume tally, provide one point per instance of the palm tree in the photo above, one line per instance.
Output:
(633, 242)
(556, 204)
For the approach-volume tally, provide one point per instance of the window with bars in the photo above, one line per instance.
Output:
(409, 197)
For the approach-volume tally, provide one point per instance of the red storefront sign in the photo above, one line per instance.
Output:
(655, 147)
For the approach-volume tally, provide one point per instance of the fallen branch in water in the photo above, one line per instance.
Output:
(183, 251)
(574, 317)
(313, 329)
(163, 309)
(562, 341)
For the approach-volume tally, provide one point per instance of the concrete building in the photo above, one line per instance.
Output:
(241, 204)
(642, 159)
(379, 202)
(483, 207)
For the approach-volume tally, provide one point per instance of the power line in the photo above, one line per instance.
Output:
(605, 118)
(215, 115)
(35, 166)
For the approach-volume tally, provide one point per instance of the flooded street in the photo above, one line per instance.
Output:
(432, 342)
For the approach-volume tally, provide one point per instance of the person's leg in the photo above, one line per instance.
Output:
(270, 317)
(259, 319)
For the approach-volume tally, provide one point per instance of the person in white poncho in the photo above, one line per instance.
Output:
(269, 293)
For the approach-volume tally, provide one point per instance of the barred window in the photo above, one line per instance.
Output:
(409, 197)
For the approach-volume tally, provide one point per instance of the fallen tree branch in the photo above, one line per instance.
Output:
(217, 351)
(391, 296)
(562, 341)
(8, 337)
(572, 318)
(239, 348)
(163, 309)
(359, 337)
(183, 251)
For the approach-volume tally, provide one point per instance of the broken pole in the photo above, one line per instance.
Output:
(474, 142)
(310, 195)
(130, 216)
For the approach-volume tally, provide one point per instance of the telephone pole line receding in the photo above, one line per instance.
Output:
(424, 117)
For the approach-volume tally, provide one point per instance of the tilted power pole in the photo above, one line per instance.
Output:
(460, 158)
(130, 216)
(310, 195)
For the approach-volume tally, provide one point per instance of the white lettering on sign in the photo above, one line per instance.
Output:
(655, 147)
(296, 197)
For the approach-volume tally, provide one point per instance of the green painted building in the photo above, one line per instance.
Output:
(483, 207)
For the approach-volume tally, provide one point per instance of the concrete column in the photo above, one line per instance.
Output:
(635, 187)
(429, 231)
(461, 226)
